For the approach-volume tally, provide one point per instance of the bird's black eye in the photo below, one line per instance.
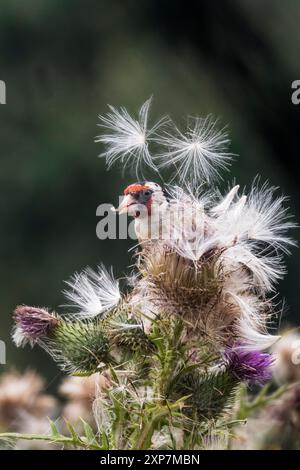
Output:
(144, 196)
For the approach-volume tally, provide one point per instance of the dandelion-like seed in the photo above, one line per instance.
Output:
(93, 293)
(248, 366)
(127, 139)
(197, 154)
(32, 324)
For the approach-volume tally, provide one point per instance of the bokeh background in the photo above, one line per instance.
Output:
(64, 60)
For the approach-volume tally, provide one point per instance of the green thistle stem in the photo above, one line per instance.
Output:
(144, 441)
(157, 418)
(76, 442)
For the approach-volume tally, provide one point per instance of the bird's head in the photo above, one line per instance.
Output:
(140, 199)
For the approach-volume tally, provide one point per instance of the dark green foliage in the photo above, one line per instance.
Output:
(162, 390)
(127, 332)
(210, 394)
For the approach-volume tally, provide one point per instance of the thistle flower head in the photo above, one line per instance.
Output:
(127, 138)
(93, 293)
(199, 153)
(248, 366)
(32, 324)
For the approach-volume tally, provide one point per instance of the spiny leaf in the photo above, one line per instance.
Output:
(54, 430)
(89, 433)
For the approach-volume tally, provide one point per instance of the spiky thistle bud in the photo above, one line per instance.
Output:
(78, 346)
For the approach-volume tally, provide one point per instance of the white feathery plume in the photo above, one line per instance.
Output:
(189, 196)
(266, 270)
(259, 217)
(93, 293)
(199, 153)
(193, 248)
(189, 225)
(229, 230)
(250, 307)
(215, 439)
(225, 203)
(127, 138)
(237, 208)
(252, 325)
(254, 340)
(20, 339)
(243, 223)
(101, 411)
(268, 219)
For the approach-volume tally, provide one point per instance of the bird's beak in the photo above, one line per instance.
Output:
(125, 203)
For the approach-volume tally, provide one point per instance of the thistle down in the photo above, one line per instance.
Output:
(194, 321)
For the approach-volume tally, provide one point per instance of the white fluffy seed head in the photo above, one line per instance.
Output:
(188, 222)
(268, 218)
(247, 231)
(197, 154)
(127, 139)
(266, 269)
(252, 325)
(260, 217)
(223, 205)
(92, 293)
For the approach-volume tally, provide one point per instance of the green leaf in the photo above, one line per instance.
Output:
(89, 433)
(72, 431)
(54, 430)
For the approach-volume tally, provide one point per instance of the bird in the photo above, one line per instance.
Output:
(147, 202)
(175, 215)
(169, 214)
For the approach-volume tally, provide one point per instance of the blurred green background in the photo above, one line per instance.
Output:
(63, 61)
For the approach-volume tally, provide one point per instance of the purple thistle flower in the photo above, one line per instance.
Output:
(248, 366)
(32, 323)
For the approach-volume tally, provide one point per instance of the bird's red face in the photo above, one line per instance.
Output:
(138, 199)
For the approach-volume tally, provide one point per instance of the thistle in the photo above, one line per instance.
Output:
(33, 324)
(177, 347)
(248, 366)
